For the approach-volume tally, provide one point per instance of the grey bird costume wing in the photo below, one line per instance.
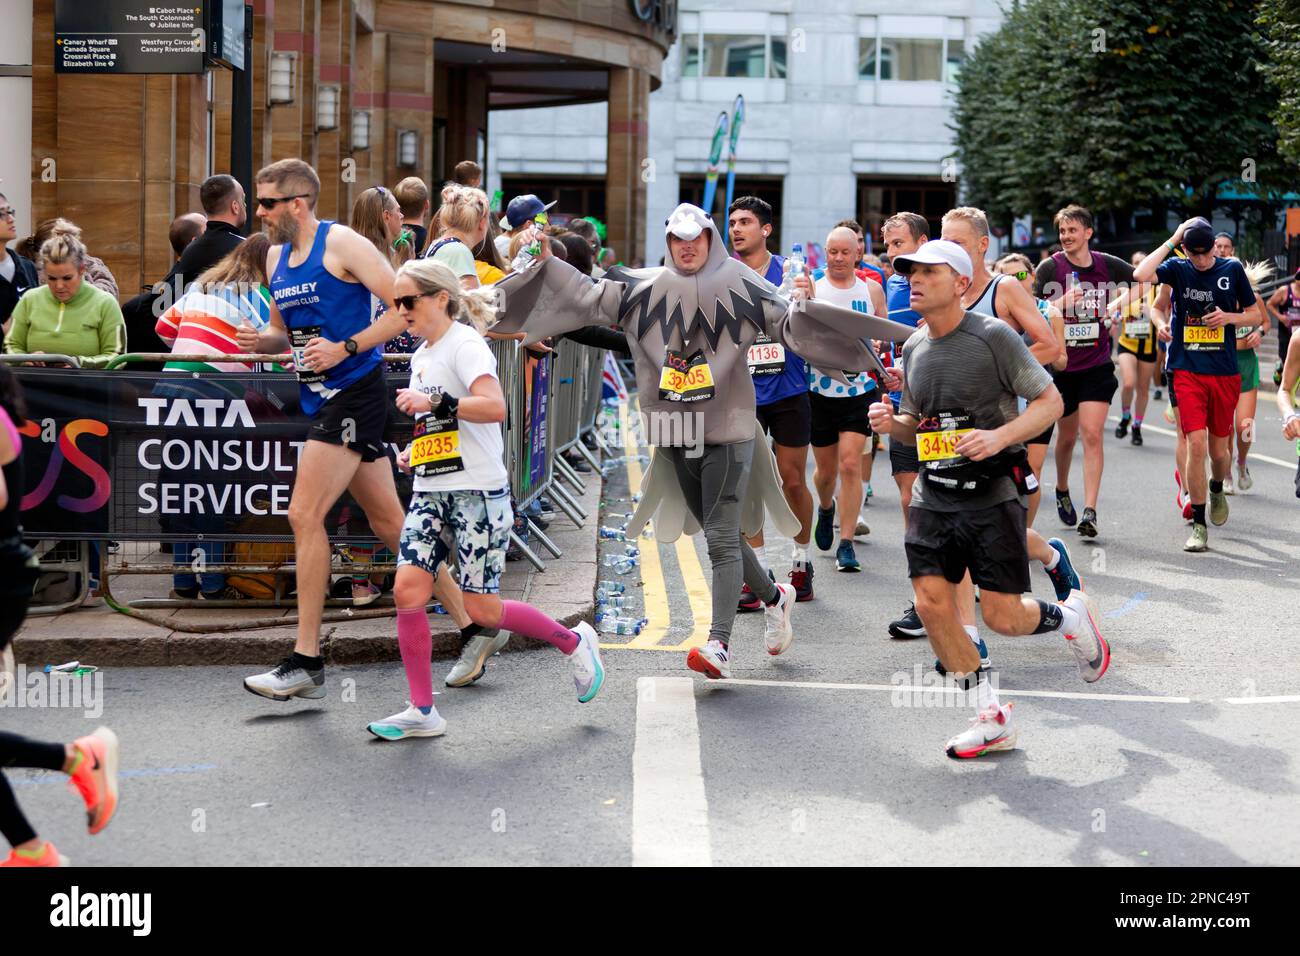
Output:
(551, 297)
(832, 337)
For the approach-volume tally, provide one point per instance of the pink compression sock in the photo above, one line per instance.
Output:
(417, 647)
(527, 620)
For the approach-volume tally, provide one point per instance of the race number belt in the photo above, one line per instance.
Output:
(685, 379)
(937, 437)
(766, 357)
(1137, 328)
(1082, 333)
(435, 447)
(298, 339)
(1200, 338)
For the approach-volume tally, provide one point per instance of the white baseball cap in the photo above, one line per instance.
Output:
(936, 252)
(686, 222)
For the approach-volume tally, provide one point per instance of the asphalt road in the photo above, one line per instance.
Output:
(1181, 755)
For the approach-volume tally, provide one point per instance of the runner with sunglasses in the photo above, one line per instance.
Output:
(462, 493)
(322, 278)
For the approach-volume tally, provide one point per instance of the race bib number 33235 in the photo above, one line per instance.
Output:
(435, 447)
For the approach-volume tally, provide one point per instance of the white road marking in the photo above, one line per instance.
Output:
(1005, 692)
(1253, 456)
(1002, 691)
(1291, 699)
(670, 812)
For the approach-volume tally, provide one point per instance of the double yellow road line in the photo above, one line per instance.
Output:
(655, 590)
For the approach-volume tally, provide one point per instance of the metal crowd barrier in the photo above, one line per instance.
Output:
(530, 464)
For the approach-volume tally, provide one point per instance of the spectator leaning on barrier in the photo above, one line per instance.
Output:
(17, 273)
(68, 315)
(226, 211)
(96, 273)
(204, 322)
(184, 230)
(413, 196)
(206, 318)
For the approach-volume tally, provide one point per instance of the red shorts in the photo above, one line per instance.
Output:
(1206, 401)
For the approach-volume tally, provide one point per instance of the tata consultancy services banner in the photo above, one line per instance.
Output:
(167, 456)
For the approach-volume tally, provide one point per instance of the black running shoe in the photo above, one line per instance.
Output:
(908, 626)
(1136, 439)
(1065, 508)
(1122, 428)
(824, 534)
(1088, 523)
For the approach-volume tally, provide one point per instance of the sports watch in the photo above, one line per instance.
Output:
(350, 345)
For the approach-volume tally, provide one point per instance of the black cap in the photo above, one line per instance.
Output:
(1199, 236)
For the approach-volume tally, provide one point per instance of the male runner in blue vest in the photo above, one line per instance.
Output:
(322, 276)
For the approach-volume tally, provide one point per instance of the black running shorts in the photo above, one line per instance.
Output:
(902, 458)
(1090, 385)
(830, 416)
(788, 420)
(355, 417)
(990, 543)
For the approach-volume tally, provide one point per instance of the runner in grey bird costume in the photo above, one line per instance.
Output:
(701, 475)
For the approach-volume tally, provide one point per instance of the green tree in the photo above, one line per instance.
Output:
(1280, 22)
(1106, 103)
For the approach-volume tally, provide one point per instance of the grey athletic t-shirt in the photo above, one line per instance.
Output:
(968, 379)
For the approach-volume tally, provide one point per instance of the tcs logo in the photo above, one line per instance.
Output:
(66, 450)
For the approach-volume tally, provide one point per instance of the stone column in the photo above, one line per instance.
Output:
(628, 148)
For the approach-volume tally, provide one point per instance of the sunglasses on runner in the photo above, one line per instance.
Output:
(407, 302)
(270, 202)
(1022, 275)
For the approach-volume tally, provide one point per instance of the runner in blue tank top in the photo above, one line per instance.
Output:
(780, 399)
(322, 277)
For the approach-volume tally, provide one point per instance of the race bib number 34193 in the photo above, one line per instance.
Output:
(937, 437)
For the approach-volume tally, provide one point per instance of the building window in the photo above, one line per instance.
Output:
(880, 198)
(910, 59)
(750, 55)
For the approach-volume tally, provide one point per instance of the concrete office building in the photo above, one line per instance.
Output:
(847, 112)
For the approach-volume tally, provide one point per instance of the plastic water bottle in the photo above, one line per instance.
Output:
(613, 534)
(632, 551)
(612, 587)
(795, 266)
(529, 251)
(620, 625)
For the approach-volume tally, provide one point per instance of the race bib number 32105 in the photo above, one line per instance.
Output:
(685, 379)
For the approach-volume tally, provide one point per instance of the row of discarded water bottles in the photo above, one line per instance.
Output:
(611, 616)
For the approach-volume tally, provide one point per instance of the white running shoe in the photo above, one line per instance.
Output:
(287, 680)
(473, 658)
(1227, 485)
(776, 621)
(712, 660)
(1244, 481)
(991, 730)
(1089, 647)
(588, 670)
(861, 530)
(409, 723)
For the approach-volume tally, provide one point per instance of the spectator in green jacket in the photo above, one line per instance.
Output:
(67, 315)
